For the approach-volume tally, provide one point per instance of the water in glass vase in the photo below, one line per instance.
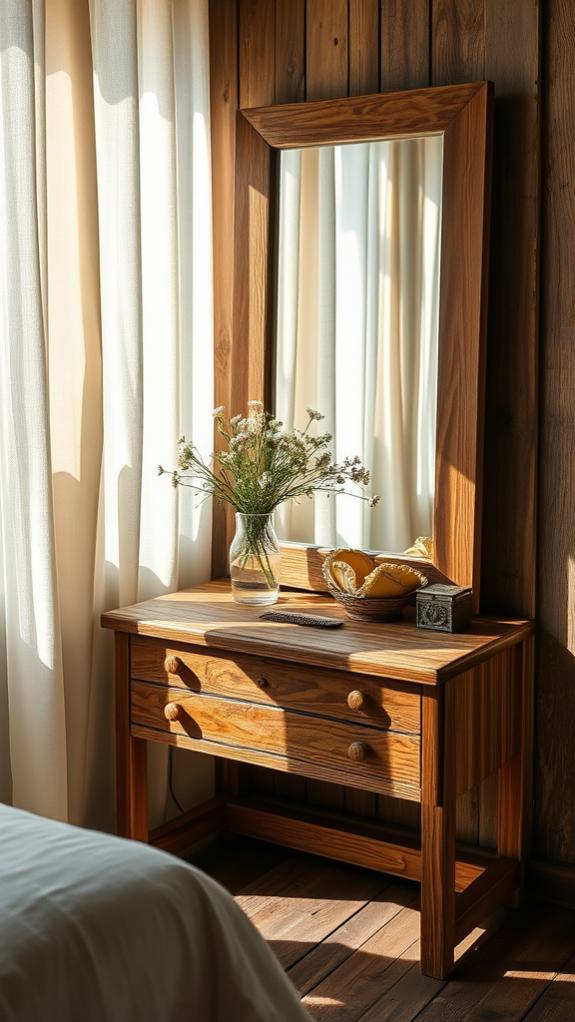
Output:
(255, 561)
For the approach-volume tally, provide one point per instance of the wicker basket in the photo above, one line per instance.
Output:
(374, 608)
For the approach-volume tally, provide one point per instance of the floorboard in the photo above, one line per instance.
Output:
(349, 940)
(557, 1003)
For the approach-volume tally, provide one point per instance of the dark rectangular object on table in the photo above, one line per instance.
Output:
(444, 608)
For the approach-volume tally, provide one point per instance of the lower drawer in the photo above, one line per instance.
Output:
(346, 753)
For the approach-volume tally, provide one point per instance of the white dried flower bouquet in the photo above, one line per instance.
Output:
(262, 464)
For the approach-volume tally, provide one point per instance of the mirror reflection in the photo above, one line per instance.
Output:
(357, 328)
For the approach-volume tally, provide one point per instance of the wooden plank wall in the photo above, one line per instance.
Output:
(555, 689)
(266, 51)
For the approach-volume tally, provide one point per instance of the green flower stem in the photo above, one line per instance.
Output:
(255, 533)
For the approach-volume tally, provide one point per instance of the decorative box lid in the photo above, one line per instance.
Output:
(446, 593)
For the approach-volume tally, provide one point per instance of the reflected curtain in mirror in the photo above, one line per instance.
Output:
(357, 328)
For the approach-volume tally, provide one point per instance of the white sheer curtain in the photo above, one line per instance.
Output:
(357, 322)
(105, 359)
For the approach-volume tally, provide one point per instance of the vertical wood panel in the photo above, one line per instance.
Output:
(363, 47)
(555, 708)
(256, 28)
(256, 53)
(404, 45)
(438, 831)
(131, 754)
(224, 101)
(252, 220)
(290, 51)
(327, 44)
(458, 41)
(512, 61)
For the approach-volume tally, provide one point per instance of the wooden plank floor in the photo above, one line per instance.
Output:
(349, 940)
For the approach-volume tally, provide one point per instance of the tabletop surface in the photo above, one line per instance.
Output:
(208, 616)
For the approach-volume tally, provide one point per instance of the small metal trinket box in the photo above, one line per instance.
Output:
(443, 608)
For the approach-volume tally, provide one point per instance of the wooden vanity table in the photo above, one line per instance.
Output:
(386, 708)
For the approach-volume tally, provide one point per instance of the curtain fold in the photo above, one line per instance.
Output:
(33, 653)
(123, 316)
(359, 242)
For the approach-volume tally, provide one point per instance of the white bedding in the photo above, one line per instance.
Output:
(96, 929)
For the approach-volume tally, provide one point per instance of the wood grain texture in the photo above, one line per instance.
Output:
(257, 34)
(487, 711)
(320, 903)
(299, 769)
(557, 1002)
(515, 792)
(363, 47)
(415, 113)
(495, 886)
(361, 973)
(273, 683)
(252, 239)
(224, 102)
(301, 566)
(405, 39)
(438, 833)
(458, 41)
(338, 947)
(365, 972)
(330, 835)
(327, 48)
(555, 702)
(522, 960)
(390, 761)
(512, 59)
(290, 51)
(208, 616)
(131, 764)
(461, 371)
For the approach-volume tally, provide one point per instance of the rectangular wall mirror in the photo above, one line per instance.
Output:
(361, 267)
(357, 300)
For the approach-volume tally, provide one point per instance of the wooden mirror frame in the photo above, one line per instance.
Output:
(462, 114)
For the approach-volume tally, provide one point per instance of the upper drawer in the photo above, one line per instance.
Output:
(337, 694)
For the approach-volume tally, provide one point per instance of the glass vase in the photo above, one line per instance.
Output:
(255, 561)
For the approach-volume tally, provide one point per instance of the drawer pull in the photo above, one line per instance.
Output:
(262, 682)
(356, 700)
(174, 711)
(358, 751)
(171, 664)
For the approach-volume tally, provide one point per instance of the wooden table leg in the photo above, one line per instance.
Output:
(131, 764)
(438, 834)
(515, 776)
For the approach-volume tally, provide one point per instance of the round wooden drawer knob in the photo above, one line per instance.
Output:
(172, 664)
(358, 751)
(356, 700)
(174, 711)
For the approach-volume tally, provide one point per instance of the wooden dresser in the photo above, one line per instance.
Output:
(387, 708)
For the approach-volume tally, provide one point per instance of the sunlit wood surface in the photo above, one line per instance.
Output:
(349, 941)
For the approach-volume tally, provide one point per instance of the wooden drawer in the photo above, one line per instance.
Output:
(383, 761)
(338, 694)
